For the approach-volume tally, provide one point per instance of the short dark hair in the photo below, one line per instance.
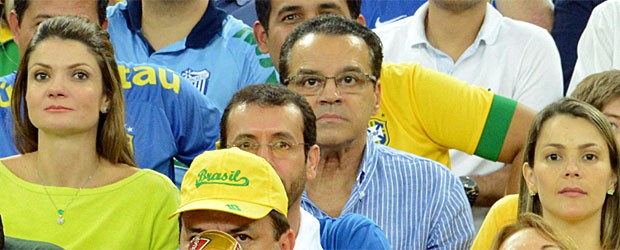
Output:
(336, 26)
(280, 224)
(269, 95)
(263, 10)
(22, 5)
(278, 220)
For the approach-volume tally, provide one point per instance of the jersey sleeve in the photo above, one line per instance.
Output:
(257, 67)
(450, 112)
(195, 121)
(496, 127)
(7, 143)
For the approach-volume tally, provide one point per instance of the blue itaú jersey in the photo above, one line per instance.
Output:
(219, 56)
(166, 117)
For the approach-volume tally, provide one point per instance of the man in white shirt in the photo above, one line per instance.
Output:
(598, 48)
(472, 41)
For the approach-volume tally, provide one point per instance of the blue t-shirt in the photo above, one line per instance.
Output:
(244, 10)
(166, 117)
(219, 56)
(352, 231)
(381, 12)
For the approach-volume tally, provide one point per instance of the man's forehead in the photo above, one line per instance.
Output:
(39, 9)
(284, 111)
(278, 6)
(309, 53)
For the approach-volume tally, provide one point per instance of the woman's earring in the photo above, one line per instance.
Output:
(105, 110)
(531, 193)
(611, 191)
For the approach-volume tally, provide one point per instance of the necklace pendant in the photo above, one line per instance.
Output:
(60, 219)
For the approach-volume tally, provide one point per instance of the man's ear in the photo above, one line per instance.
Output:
(104, 25)
(377, 94)
(361, 19)
(287, 240)
(312, 162)
(260, 35)
(14, 25)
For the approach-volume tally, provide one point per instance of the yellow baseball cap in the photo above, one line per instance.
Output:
(232, 181)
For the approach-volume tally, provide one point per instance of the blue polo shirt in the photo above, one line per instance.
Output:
(219, 56)
(165, 118)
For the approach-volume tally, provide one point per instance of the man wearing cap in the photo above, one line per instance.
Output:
(238, 193)
(279, 125)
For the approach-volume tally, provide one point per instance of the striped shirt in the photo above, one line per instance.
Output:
(416, 201)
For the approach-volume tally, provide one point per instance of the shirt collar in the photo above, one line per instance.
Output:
(488, 31)
(210, 24)
(369, 161)
(418, 36)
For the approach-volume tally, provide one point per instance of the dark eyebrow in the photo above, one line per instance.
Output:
(76, 65)
(329, 6)
(582, 146)
(587, 145)
(288, 8)
(43, 16)
(40, 65)
(352, 69)
(308, 72)
(612, 115)
(284, 135)
(315, 72)
(238, 229)
(244, 136)
(550, 246)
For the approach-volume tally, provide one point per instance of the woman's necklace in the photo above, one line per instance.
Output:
(61, 212)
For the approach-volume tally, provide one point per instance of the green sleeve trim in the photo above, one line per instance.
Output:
(496, 127)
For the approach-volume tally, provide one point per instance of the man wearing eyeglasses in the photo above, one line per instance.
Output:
(423, 112)
(416, 201)
(279, 125)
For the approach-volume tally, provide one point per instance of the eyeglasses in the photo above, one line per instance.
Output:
(279, 148)
(348, 82)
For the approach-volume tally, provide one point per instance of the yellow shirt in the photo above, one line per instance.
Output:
(501, 214)
(426, 113)
(129, 214)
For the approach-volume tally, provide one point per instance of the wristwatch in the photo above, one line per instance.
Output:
(471, 188)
